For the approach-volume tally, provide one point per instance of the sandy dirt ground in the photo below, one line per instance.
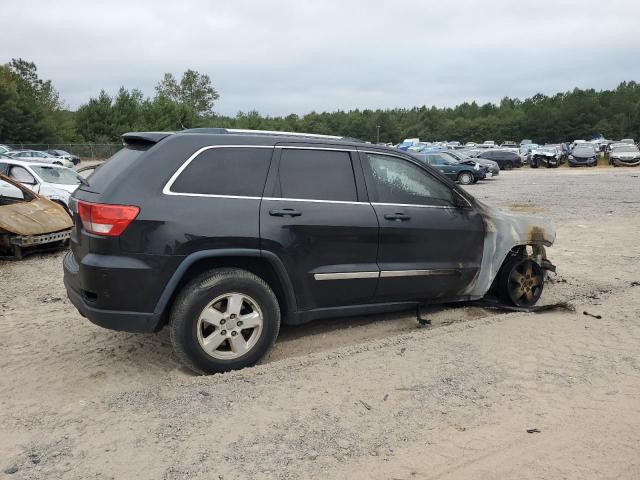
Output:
(358, 398)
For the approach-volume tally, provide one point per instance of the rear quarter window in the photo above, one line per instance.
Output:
(113, 167)
(238, 171)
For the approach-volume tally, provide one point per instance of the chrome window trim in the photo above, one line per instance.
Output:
(312, 200)
(167, 188)
(345, 275)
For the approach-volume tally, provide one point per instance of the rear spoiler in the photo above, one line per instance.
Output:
(144, 138)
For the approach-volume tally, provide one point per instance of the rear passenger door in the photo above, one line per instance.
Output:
(316, 218)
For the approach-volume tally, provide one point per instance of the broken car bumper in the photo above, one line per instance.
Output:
(32, 240)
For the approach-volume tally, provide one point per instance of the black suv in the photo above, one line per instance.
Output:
(220, 234)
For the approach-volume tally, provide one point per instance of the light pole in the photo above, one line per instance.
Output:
(377, 133)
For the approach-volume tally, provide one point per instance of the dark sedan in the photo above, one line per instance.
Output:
(464, 173)
(583, 154)
(462, 157)
(505, 159)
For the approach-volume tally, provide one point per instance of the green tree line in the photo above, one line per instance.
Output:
(32, 112)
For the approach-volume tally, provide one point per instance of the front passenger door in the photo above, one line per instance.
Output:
(431, 239)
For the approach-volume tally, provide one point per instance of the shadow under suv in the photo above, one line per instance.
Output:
(221, 235)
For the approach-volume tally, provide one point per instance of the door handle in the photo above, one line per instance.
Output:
(398, 217)
(285, 212)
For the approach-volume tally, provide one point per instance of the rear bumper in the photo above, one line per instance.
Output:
(108, 297)
(113, 319)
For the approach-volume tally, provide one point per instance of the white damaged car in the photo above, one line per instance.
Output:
(51, 181)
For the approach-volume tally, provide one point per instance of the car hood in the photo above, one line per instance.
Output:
(503, 232)
(37, 217)
(544, 153)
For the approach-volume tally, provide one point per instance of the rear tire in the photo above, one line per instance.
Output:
(190, 332)
(508, 165)
(465, 178)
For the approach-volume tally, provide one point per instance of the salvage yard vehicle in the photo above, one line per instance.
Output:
(465, 173)
(506, 159)
(584, 154)
(462, 157)
(625, 156)
(546, 155)
(220, 235)
(38, 156)
(28, 222)
(75, 159)
(51, 181)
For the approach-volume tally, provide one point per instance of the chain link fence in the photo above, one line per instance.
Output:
(86, 151)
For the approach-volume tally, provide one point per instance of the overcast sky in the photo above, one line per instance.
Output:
(295, 56)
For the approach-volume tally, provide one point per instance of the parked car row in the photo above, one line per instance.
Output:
(510, 155)
(53, 156)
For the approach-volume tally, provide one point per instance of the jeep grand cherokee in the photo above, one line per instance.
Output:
(220, 235)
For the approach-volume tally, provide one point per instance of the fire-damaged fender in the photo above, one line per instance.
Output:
(504, 232)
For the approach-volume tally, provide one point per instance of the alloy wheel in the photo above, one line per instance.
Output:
(229, 326)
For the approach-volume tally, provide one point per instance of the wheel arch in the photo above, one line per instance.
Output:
(265, 265)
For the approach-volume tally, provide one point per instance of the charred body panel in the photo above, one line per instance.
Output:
(505, 232)
(28, 222)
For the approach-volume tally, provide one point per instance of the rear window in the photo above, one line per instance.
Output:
(317, 175)
(238, 172)
(113, 167)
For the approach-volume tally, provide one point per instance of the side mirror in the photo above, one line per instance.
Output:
(460, 201)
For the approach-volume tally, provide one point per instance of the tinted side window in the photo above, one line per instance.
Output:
(226, 171)
(399, 181)
(115, 166)
(317, 175)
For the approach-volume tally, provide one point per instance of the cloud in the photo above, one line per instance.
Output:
(289, 56)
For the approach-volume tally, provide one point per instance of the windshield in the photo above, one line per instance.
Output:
(59, 175)
(584, 149)
(627, 149)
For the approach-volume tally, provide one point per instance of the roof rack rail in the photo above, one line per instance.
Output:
(241, 131)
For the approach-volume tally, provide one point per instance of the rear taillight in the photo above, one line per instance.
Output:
(106, 220)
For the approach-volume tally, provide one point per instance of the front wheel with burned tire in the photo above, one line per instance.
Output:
(520, 281)
(224, 319)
